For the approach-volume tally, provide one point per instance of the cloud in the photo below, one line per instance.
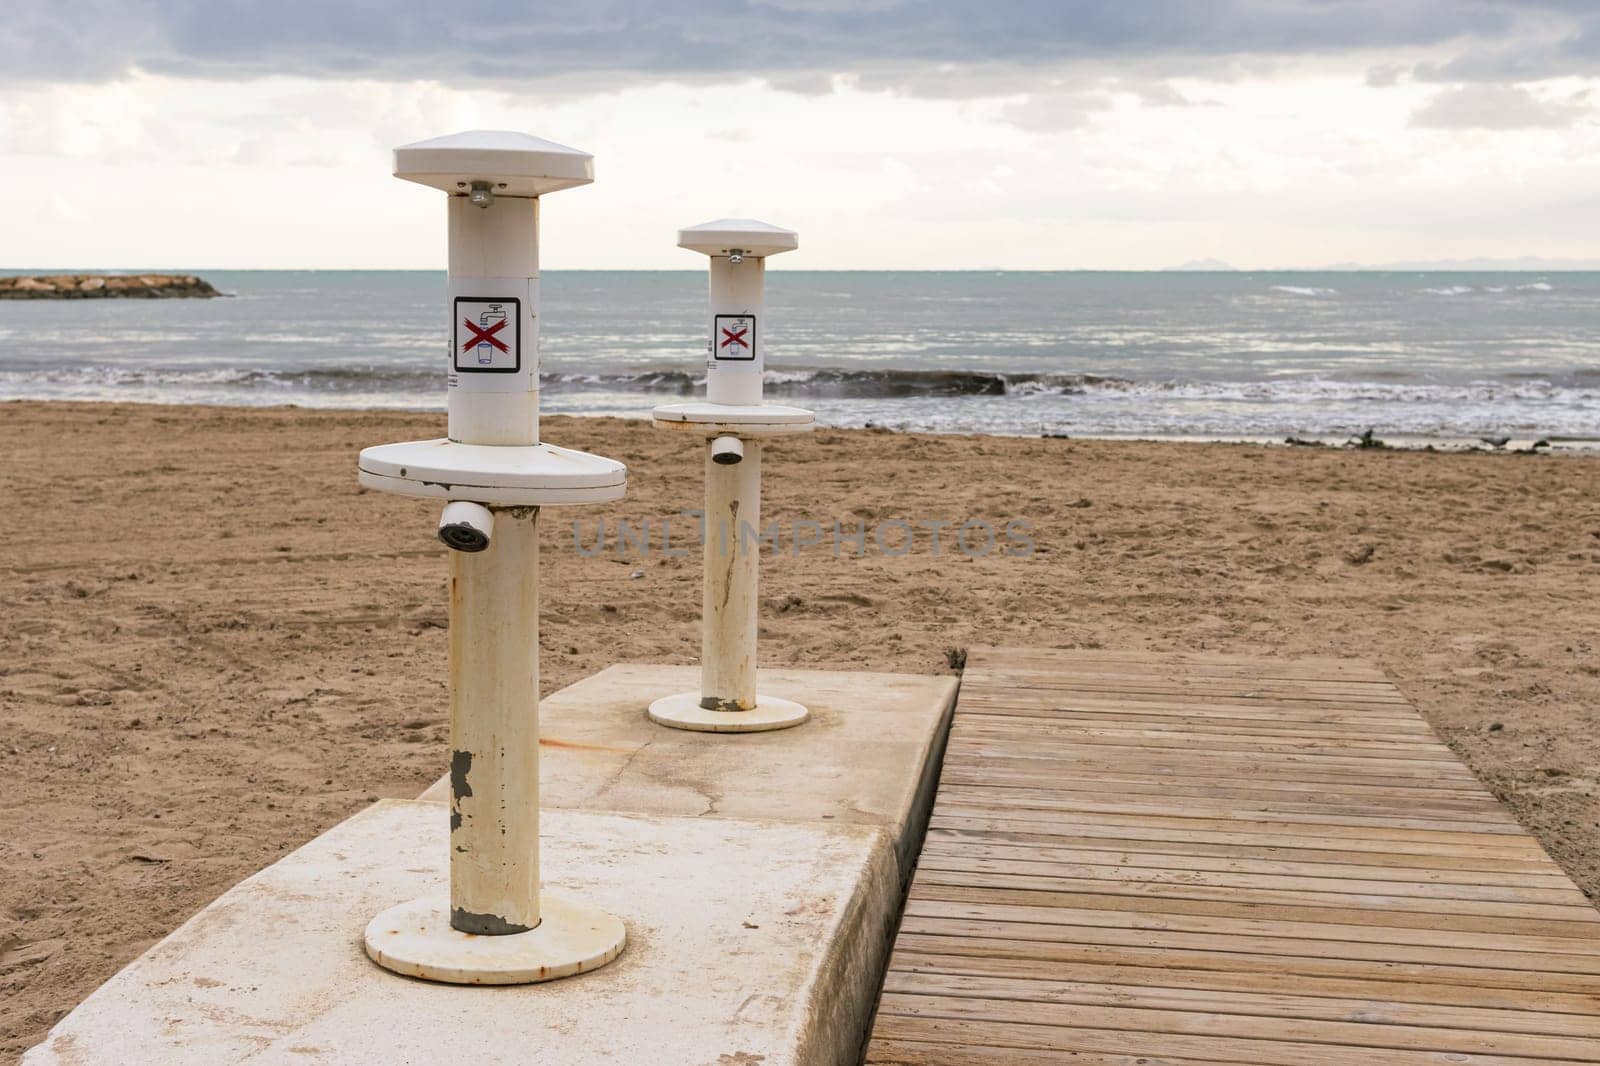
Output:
(1563, 40)
(601, 44)
(1500, 107)
(1162, 94)
(1385, 75)
(1055, 112)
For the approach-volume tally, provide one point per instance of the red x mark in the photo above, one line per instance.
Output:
(734, 337)
(480, 335)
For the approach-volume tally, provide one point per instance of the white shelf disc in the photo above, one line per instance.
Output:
(536, 475)
(749, 420)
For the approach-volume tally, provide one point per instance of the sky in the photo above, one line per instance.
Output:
(892, 134)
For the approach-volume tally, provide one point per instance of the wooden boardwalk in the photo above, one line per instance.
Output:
(1173, 859)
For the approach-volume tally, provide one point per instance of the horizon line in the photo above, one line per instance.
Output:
(1340, 269)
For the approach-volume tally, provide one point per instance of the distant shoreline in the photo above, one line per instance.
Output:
(106, 287)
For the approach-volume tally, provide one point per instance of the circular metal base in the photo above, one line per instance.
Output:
(416, 939)
(683, 711)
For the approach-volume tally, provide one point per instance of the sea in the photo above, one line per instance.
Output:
(1217, 355)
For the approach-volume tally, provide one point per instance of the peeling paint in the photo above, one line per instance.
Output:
(460, 767)
(465, 921)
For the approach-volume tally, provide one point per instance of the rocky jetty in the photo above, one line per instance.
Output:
(104, 286)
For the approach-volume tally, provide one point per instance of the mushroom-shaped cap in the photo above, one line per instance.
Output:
(514, 164)
(744, 235)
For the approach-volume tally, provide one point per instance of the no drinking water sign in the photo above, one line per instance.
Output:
(487, 335)
(733, 337)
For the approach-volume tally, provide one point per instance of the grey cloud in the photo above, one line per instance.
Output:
(797, 43)
(1162, 94)
(1385, 75)
(1055, 112)
(1564, 40)
(1500, 107)
(1062, 106)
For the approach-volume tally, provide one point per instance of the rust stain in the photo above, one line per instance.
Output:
(573, 745)
(733, 554)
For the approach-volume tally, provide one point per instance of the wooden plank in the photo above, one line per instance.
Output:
(1288, 696)
(1026, 871)
(1352, 745)
(1279, 688)
(1119, 717)
(968, 783)
(1137, 859)
(1152, 730)
(1047, 831)
(1166, 972)
(1357, 764)
(1250, 666)
(959, 1034)
(1089, 794)
(1379, 827)
(1247, 794)
(1375, 912)
(1244, 1028)
(921, 1053)
(1170, 992)
(943, 847)
(1418, 973)
(1580, 954)
(1291, 1049)
(1440, 857)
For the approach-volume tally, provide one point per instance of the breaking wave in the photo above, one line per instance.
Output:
(819, 382)
(282, 385)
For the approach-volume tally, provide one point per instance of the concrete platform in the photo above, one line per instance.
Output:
(868, 756)
(759, 876)
(748, 942)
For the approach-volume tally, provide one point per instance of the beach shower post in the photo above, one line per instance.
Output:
(494, 476)
(733, 419)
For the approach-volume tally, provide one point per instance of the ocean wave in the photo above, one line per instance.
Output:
(311, 379)
(1449, 290)
(815, 383)
(1305, 290)
(829, 382)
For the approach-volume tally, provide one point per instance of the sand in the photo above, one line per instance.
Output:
(214, 645)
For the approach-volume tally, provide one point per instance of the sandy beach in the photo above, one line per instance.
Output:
(214, 645)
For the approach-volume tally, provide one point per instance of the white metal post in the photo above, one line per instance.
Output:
(733, 419)
(731, 586)
(494, 730)
(738, 326)
(495, 927)
(494, 251)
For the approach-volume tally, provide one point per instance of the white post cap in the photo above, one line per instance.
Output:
(512, 164)
(745, 235)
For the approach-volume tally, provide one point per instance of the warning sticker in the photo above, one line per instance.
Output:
(487, 335)
(733, 337)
